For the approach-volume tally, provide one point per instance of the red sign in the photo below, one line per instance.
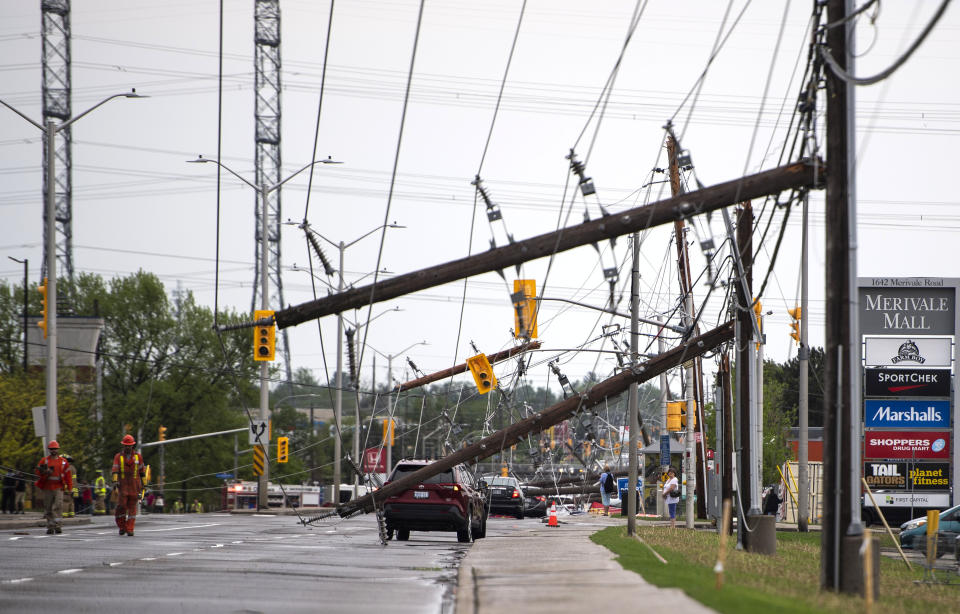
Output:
(374, 460)
(907, 444)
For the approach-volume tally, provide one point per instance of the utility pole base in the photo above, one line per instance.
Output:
(762, 539)
(851, 566)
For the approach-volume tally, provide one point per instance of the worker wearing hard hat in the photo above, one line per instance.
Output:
(55, 478)
(99, 493)
(71, 493)
(128, 474)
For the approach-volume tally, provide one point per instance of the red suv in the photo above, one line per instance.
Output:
(448, 501)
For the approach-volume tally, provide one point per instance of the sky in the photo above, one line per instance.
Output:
(138, 204)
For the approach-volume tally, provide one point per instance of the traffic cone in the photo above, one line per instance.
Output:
(552, 522)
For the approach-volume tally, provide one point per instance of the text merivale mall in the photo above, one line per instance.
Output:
(908, 328)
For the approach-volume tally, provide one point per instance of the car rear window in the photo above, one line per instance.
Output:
(444, 477)
(500, 481)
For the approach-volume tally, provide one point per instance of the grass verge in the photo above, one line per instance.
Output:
(788, 581)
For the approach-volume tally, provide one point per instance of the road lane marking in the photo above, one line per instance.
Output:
(239, 542)
(174, 553)
(149, 558)
(69, 571)
(193, 526)
(115, 564)
(19, 580)
(217, 546)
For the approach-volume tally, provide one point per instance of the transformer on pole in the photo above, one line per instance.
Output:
(55, 16)
(266, 61)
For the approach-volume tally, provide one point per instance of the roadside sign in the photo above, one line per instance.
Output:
(258, 460)
(906, 413)
(40, 421)
(907, 382)
(258, 432)
(225, 476)
(907, 444)
(664, 450)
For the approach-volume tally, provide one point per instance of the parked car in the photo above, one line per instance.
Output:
(448, 501)
(535, 506)
(506, 496)
(913, 533)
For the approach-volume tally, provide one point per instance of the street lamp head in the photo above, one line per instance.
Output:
(133, 94)
(200, 159)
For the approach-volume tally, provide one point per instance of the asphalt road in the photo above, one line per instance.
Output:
(230, 563)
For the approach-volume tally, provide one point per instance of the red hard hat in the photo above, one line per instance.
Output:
(53, 445)
(128, 440)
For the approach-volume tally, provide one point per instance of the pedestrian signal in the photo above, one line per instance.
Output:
(264, 337)
(524, 308)
(283, 449)
(482, 373)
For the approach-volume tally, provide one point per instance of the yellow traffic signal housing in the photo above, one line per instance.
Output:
(677, 416)
(43, 301)
(283, 449)
(524, 308)
(796, 313)
(482, 373)
(264, 337)
(388, 430)
(162, 433)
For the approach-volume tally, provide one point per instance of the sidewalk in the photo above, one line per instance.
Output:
(34, 520)
(557, 569)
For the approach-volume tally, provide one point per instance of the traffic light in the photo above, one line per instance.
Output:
(674, 409)
(283, 449)
(162, 433)
(388, 431)
(43, 301)
(482, 373)
(796, 313)
(524, 308)
(264, 337)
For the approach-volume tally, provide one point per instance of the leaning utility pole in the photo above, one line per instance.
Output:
(266, 91)
(803, 355)
(542, 420)
(55, 31)
(840, 562)
(632, 398)
(792, 176)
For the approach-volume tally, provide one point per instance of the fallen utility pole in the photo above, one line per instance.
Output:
(555, 414)
(790, 177)
(439, 375)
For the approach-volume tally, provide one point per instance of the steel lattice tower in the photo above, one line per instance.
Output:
(55, 15)
(266, 87)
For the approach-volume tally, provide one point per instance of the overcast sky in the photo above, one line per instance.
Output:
(138, 205)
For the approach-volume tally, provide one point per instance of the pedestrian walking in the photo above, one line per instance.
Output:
(99, 494)
(20, 492)
(128, 473)
(671, 494)
(9, 490)
(54, 472)
(158, 504)
(608, 486)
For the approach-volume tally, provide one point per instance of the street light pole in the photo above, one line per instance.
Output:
(263, 500)
(338, 399)
(264, 190)
(50, 130)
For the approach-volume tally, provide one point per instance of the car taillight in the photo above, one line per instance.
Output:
(541, 498)
(456, 488)
(515, 494)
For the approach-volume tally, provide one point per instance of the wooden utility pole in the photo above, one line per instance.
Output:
(789, 177)
(462, 367)
(745, 358)
(690, 460)
(555, 414)
(726, 452)
(840, 563)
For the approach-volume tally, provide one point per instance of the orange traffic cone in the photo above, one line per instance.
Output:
(552, 522)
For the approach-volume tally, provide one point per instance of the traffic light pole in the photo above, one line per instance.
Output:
(263, 480)
(53, 421)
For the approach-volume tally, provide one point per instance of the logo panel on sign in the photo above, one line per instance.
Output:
(907, 444)
(912, 413)
(907, 382)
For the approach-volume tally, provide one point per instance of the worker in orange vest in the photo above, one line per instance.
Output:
(128, 474)
(54, 472)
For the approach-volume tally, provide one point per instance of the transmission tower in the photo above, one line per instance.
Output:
(266, 86)
(56, 104)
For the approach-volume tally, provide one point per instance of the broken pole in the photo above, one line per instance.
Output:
(555, 414)
(462, 367)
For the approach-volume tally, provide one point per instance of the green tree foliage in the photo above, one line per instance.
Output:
(162, 364)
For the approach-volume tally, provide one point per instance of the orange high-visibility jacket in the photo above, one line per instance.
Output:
(54, 472)
(128, 473)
